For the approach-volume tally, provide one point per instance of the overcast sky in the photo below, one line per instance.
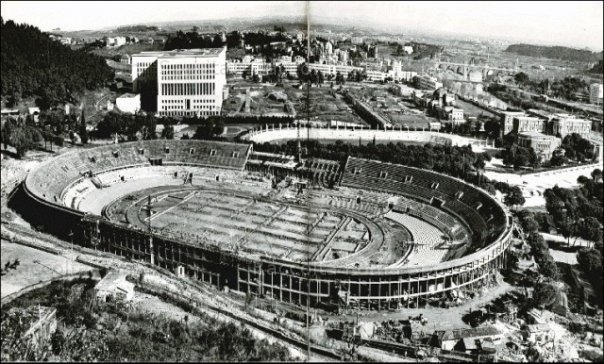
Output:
(577, 24)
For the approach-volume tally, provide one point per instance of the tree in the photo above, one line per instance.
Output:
(203, 131)
(592, 229)
(528, 222)
(83, 132)
(544, 295)
(218, 127)
(521, 78)
(514, 197)
(167, 132)
(21, 136)
(596, 174)
(590, 260)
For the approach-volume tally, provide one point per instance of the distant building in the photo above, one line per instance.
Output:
(596, 91)
(125, 59)
(544, 145)
(524, 123)
(565, 124)
(427, 82)
(299, 59)
(114, 286)
(447, 340)
(182, 82)
(356, 40)
(538, 333)
(450, 114)
(507, 121)
(373, 75)
(128, 103)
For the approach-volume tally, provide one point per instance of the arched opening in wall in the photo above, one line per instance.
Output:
(217, 178)
(390, 205)
(358, 200)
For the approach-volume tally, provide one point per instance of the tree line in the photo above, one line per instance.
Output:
(35, 66)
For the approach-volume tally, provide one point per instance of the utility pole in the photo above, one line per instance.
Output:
(70, 250)
(149, 229)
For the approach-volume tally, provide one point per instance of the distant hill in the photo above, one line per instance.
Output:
(555, 52)
(35, 66)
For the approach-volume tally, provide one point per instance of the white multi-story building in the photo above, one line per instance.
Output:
(290, 67)
(374, 75)
(595, 93)
(565, 124)
(185, 82)
(333, 68)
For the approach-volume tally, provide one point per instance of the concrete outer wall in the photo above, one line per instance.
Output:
(283, 280)
(278, 132)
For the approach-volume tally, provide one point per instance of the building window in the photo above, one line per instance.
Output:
(167, 150)
(213, 152)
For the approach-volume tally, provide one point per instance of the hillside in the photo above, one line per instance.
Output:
(554, 52)
(35, 66)
(597, 68)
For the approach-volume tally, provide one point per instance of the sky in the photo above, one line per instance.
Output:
(572, 23)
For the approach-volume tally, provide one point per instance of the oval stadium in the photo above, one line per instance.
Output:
(357, 233)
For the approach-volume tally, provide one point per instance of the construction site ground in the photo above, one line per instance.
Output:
(205, 298)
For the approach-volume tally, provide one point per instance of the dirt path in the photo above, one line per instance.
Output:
(438, 318)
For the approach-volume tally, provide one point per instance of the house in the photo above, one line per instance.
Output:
(114, 286)
(447, 340)
(34, 112)
(538, 333)
(129, 103)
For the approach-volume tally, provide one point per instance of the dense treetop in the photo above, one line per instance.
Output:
(34, 65)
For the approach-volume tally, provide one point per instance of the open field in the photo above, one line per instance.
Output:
(34, 266)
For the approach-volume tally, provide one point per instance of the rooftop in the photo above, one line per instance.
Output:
(176, 53)
(468, 333)
(535, 134)
(127, 96)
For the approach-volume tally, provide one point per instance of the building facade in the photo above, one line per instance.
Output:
(544, 145)
(596, 90)
(183, 82)
(507, 121)
(567, 124)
